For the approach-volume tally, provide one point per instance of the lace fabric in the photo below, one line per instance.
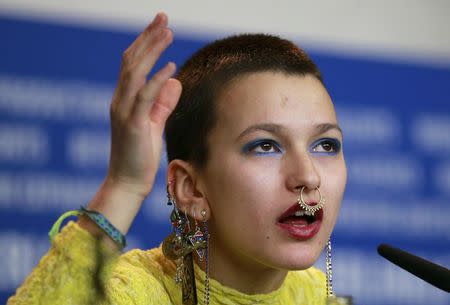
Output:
(77, 270)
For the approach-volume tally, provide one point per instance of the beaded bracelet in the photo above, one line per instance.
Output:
(96, 217)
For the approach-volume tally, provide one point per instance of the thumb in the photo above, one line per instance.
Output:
(166, 101)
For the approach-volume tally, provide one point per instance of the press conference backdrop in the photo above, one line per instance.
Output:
(56, 83)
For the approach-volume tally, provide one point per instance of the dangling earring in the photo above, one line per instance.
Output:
(332, 299)
(178, 247)
(180, 244)
(206, 234)
(196, 238)
(329, 269)
(200, 242)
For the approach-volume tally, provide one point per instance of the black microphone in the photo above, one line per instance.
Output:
(432, 273)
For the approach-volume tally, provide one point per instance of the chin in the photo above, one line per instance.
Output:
(295, 259)
(299, 264)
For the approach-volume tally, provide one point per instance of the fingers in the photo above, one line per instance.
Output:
(150, 33)
(148, 38)
(139, 59)
(153, 52)
(166, 101)
(152, 91)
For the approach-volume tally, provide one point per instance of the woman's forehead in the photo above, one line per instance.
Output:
(270, 97)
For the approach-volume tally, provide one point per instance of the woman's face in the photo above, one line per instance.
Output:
(274, 134)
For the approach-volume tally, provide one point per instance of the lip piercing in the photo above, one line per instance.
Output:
(311, 208)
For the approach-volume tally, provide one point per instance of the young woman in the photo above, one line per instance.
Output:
(256, 176)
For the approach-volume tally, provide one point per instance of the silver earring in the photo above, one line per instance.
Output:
(198, 237)
(180, 245)
(332, 299)
(329, 269)
(206, 234)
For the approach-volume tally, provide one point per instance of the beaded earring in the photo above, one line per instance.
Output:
(333, 299)
(198, 237)
(206, 258)
(179, 246)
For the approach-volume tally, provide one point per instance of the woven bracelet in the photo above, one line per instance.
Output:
(96, 217)
(105, 225)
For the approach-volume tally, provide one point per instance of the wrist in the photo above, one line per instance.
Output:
(126, 187)
(118, 202)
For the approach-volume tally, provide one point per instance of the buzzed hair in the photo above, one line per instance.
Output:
(209, 70)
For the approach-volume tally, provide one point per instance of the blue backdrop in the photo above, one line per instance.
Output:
(56, 83)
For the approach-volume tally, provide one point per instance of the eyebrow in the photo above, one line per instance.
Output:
(322, 128)
(276, 128)
(269, 127)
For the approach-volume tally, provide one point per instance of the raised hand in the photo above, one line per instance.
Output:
(139, 110)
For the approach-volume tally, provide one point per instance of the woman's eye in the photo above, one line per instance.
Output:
(266, 147)
(329, 146)
(262, 147)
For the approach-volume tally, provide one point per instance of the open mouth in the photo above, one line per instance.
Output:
(295, 215)
(299, 223)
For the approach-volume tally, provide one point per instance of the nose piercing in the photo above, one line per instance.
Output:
(311, 208)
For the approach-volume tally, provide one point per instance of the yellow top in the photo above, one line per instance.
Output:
(72, 273)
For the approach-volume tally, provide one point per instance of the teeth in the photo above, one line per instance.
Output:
(299, 213)
(302, 213)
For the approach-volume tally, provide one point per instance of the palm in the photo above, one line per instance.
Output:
(140, 108)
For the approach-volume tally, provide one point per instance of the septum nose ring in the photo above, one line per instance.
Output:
(311, 208)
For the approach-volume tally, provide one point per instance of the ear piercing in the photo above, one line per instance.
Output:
(181, 245)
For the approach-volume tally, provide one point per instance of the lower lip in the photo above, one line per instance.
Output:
(301, 232)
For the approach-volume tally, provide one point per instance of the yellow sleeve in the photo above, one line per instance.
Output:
(78, 270)
(72, 272)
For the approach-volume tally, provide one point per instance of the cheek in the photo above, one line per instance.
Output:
(333, 173)
(242, 190)
(240, 177)
(333, 181)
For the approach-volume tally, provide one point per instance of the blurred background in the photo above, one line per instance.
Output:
(386, 65)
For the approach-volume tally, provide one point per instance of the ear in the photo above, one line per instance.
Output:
(184, 187)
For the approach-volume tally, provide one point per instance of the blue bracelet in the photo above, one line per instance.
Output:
(105, 225)
(96, 217)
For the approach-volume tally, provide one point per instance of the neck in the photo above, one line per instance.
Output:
(241, 273)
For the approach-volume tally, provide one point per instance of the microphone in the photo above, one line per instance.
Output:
(431, 273)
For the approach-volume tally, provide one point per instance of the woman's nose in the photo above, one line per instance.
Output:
(301, 172)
